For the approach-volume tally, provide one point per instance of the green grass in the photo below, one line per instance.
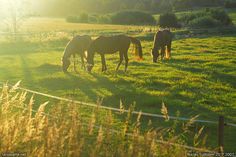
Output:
(198, 80)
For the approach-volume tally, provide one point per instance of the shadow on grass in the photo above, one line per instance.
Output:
(224, 78)
(28, 48)
(214, 71)
(48, 68)
(28, 77)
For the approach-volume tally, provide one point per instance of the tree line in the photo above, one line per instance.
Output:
(74, 7)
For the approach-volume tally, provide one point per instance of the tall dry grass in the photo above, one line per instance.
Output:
(63, 131)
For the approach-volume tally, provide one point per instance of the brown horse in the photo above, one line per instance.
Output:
(109, 45)
(78, 45)
(162, 40)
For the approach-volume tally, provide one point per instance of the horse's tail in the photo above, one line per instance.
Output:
(137, 47)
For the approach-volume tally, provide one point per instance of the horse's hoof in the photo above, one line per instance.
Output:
(65, 72)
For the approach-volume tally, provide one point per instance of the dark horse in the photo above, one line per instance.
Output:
(78, 45)
(109, 45)
(162, 40)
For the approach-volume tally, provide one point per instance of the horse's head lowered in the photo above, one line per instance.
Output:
(162, 39)
(65, 64)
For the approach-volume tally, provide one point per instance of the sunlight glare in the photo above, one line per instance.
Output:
(10, 6)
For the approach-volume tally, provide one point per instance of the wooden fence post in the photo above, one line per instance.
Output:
(221, 134)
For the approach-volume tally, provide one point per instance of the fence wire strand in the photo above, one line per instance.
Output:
(118, 109)
(129, 134)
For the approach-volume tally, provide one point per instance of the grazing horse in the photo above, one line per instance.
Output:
(78, 45)
(110, 45)
(162, 40)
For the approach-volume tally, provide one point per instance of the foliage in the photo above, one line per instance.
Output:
(168, 20)
(132, 17)
(206, 18)
(204, 22)
(220, 15)
(230, 4)
(127, 17)
(14, 13)
(93, 18)
(104, 19)
(75, 7)
(82, 18)
(72, 19)
(190, 4)
(85, 18)
(189, 16)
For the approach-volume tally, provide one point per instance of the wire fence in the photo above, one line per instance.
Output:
(121, 110)
(124, 111)
(128, 134)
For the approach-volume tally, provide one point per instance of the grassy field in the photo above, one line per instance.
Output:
(198, 80)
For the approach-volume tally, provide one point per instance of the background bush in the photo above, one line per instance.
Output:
(82, 18)
(186, 18)
(206, 18)
(92, 19)
(105, 19)
(221, 16)
(132, 17)
(168, 20)
(126, 18)
(191, 4)
(230, 4)
(72, 19)
(204, 22)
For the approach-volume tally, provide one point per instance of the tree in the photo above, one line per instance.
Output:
(139, 6)
(83, 17)
(165, 6)
(15, 12)
(168, 20)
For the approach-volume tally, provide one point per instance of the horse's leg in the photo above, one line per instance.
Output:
(126, 60)
(162, 52)
(74, 56)
(82, 61)
(169, 50)
(166, 56)
(104, 67)
(121, 59)
(105, 63)
(158, 54)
